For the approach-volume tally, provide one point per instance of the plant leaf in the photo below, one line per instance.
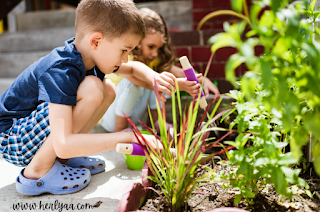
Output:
(312, 5)
(237, 199)
(266, 73)
(287, 159)
(275, 5)
(233, 62)
(221, 40)
(237, 5)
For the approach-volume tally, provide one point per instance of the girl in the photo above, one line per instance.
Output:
(132, 94)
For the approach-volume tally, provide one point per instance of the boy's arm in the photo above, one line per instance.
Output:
(165, 81)
(190, 87)
(208, 86)
(145, 84)
(67, 143)
(138, 82)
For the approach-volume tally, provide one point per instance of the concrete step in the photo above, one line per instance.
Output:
(177, 14)
(46, 19)
(34, 40)
(12, 64)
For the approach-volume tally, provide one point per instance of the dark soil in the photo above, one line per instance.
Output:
(215, 196)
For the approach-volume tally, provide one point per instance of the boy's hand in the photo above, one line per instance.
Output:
(191, 87)
(151, 140)
(165, 83)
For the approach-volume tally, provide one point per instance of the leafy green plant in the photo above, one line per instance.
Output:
(278, 101)
(260, 154)
(177, 175)
(311, 11)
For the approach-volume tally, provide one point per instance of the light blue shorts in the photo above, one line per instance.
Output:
(19, 144)
(130, 99)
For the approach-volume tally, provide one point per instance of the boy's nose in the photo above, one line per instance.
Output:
(124, 59)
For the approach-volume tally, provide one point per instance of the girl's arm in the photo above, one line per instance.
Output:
(177, 71)
(209, 86)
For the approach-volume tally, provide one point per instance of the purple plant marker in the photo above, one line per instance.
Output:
(130, 149)
(191, 76)
(137, 150)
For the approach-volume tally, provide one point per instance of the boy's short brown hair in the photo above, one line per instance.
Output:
(113, 18)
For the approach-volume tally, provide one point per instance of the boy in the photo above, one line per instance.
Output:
(49, 109)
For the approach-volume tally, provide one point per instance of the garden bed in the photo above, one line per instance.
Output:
(216, 196)
(221, 195)
(213, 196)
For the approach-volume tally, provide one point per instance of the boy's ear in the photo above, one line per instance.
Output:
(95, 39)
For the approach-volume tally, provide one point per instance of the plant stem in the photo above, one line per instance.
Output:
(208, 65)
(245, 9)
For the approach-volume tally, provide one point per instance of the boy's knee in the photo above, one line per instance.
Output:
(109, 89)
(93, 89)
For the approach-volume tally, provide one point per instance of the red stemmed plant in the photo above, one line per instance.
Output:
(177, 174)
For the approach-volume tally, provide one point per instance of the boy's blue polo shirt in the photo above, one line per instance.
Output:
(54, 78)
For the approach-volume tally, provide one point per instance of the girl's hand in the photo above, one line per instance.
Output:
(208, 87)
(165, 83)
(151, 140)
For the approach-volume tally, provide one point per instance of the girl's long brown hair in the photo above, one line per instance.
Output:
(155, 24)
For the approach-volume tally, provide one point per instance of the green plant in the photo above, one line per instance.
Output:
(177, 175)
(260, 154)
(279, 96)
(311, 11)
